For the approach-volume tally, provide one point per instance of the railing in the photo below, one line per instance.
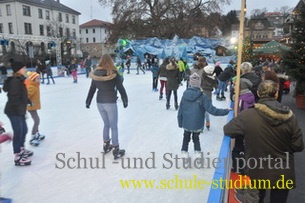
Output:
(222, 170)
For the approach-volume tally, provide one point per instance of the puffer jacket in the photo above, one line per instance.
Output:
(193, 105)
(33, 94)
(270, 131)
(17, 96)
(107, 86)
(173, 77)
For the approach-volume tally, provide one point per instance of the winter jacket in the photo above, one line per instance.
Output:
(49, 70)
(17, 96)
(246, 101)
(173, 77)
(154, 70)
(107, 86)
(193, 105)
(227, 74)
(162, 71)
(217, 70)
(255, 80)
(208, 83)
(181, 66)
(270, 130)
(33, 94)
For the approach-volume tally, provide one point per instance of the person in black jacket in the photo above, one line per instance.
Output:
(107, 81)
(15, 109)
(223, 79)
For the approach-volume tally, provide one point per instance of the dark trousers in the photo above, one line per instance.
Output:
(168, 96)
(20, 130)
(155, 83)
(88, 70)
(48, 78)
(276, 195)
(187, 139)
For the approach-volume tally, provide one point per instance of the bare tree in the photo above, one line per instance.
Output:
(159, 18)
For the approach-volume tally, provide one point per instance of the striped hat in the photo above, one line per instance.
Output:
(32, 75)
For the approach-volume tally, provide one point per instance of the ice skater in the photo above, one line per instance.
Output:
(107, 81)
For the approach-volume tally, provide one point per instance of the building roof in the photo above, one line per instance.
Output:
(48, 4)
(299, 6)
(95, 23)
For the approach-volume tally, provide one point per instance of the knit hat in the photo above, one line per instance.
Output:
(32, 75)
(17, 65)
(246, 67)
(245, 85)
(195, 80)
(209, 69)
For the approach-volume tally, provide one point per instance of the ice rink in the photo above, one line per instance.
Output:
(147, 131)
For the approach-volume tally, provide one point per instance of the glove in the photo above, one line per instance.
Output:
(87, 106)
(125, 103)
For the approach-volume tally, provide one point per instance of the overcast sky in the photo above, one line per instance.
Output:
(90, 9)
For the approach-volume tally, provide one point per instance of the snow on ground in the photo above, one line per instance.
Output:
(147, 131)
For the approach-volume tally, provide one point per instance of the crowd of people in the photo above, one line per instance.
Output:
(263, 127)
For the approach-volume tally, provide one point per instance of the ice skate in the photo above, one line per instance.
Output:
(208, 125)
(168, 106)
(39, 136)
(185, 159)
(176, 106)
(107, 147)
(117, 152)
(26, 153)
(21, 160)
(223, 98)
(34, 142)
(160, 97)
(218, 98)
(198, 160)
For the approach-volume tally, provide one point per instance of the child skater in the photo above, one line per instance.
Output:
(191, 114)
(33, 89)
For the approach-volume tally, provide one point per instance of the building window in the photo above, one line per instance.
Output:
(93, 30)
(87, 40)
(1, 28)
(67, 18)
(93, 39)
(41, 30)
(47, 15)
(10, 28)
(48, 31)
(27, 28)
(73, 19)
(40, 13)
(86, 31)
(67, 32)
(60, 17)
(74, 33)
(8, 10)
(61, 33)
(26, 10)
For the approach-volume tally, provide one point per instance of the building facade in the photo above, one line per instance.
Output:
(39, 29)
(94, 35)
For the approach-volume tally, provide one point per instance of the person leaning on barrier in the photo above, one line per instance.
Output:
(272, 135)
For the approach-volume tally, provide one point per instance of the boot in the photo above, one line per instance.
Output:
(198, 159)
(218, 98)
(34, 141)
(39, 136)
(167, 105)
(107, 146)
(185, 158)
(176, 106)
(223, 97)
(117, 152)
(160, 97)
(25, 153)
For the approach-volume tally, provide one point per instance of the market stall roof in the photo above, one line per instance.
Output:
(272, 47)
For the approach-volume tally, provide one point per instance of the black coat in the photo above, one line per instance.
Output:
(17, 96)
(271, 131)
(173, 77)
(107, 86)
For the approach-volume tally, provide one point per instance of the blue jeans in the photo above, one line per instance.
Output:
(20, 130)
(221, 87)
(109, 114)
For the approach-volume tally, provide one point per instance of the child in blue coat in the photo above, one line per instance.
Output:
(191, 114)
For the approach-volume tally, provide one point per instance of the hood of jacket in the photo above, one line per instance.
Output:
(247, 97)
(170, 66)
(100, 74)
(273, 112)
(7, 81)
(192, 94)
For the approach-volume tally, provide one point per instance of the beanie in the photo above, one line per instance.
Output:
(32, 75)
(209, 70)
(195, 80)
(246, 67)
(17, 65)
